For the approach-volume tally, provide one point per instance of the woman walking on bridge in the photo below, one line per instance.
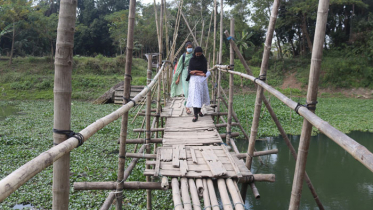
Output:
(198, 90)
(179, 84)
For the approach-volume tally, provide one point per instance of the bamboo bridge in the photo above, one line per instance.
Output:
(187, 157)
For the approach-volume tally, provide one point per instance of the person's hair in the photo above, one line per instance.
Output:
(188, 43)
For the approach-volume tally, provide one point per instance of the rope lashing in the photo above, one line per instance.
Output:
(69, 134)
(261, 77)
(240, 204)
(230, 38)
(309, 106)
(129, 100)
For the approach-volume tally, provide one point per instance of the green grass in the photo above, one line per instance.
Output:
(33, 77)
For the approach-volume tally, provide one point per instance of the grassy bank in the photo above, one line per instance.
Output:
(33, 77)
(28, 134)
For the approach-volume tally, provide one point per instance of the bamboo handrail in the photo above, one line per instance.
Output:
(18, 177)
(358, 151)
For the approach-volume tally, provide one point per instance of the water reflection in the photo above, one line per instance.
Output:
(341, 181)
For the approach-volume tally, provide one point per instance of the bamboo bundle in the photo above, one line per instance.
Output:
(176, 195)
(185, 194)
(62, 101)
(199, 185)
(206, 196)
(18, 177)
(300, 166)
(213, 199)
(109, 200)
(194, 194)
(236, 198)
(224, 195)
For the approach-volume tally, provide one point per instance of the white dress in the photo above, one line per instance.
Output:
(198, 94)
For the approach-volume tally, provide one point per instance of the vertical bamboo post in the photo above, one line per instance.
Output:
(168, 75)
(220, 55)
(126, 97)
(203, 27)
(230, 101)
(259, 93)
(148, 113)
(300, 167)
(62, 99)
(213, 50)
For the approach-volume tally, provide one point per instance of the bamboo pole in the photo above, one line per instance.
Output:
(156, 21)
(258, 178)
(190, 30)
(113, 185)
(259, 94)
(62, 100)
(200, 189)
(221, 33)
(143, 141)
(137, 155)
(185, 194)
(208, 36)
(213, 199)
(255, 191)
(194, 195)
(203, 27)
(17, 178)
(260, 153)
(300, 167)
(206, 196)
(132, 165)
(126, 95)
(236, 198)
(358, 151)
(224, 195)
(109, 200)
(213, 50)
(230, 101)
(176, 195)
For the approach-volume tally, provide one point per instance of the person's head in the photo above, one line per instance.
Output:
(198, 52)
(189, 47)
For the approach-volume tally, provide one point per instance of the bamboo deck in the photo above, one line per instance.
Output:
(195, 153)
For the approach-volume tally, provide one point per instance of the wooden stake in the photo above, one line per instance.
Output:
(230, 101)
(126, 94)
(176, 195)
(185, 194)
(194, 194)
(313, 82)
(62, 100)
(224, 195)
(213, 199)
(236, 198)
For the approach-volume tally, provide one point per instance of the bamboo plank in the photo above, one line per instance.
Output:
(185, 194)
(235, 167)
(213, 199)
(175, 156)
(213, 162)
(166, 154)
(206, 196)
(236, 198)
(194, 195)
(224, 195)
(182, 152)
(158, 162)
(176, 195)
(183, 167)
(193, 154)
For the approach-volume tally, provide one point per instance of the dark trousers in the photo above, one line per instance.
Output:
(196, 111)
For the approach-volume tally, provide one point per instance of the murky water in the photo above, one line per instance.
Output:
(341, 182)
(24, 206)
(6, 111)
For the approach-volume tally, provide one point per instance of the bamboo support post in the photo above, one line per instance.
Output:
(221, 33)
(234, 147)
(176, 195)
(213, 199)
(62, 100)
(194, 195)
(17, 178)
(230, 101)
(143, 141)
(235, 194)
(185, 194)
(214, 47)
(300, 167)
(259, 93)
(126, 96)
(142, 155)
(224, 195)
(109, 200)
(255, 191)
(206, 196)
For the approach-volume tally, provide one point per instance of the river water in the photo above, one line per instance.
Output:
(341, 182)
(6, 111)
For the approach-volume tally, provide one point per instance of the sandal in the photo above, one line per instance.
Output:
(200, 114)
(195, 119)
(188, 111)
